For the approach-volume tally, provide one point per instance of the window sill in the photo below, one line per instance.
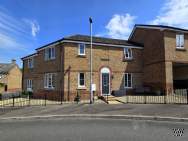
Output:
(29, 89)
(49, 88)
(30, 68)
(81, 56)
(49, 59)
(180, 49)
(128, 87)
(127, 59)
(81, 88)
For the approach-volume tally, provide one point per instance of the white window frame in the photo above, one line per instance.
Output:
(29, 84)
(49, 54)
(180, 41)
(81, 86)
(30, 62)
(79, 47)
(128, 80)
(130, 56)
(49, 81)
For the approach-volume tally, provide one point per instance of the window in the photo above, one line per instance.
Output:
(50, 53)
(127, 53)
(81, 80)
(29, 85)
(30, 62)
(81, 49)
(179, 40)
(49, 80)
(128, 80)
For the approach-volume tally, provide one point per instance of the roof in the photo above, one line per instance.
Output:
(6, 67)
(50, 43)
(31, 55)
(102, 40)
(86, 38)
(160, 27)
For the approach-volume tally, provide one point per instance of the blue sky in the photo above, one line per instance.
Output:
(28, 24)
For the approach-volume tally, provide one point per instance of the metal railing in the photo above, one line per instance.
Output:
(178, 96)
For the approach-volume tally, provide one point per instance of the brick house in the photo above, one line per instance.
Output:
(165, 56)
(10, 77)
(153, 57)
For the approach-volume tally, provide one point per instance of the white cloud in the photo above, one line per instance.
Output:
(15, 37)
(15, 33)
(120, 26)
(11, 43)
(174, 13)
(35, 28)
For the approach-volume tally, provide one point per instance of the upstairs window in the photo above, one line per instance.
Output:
(81, 79)
(128, 80)
(30, 62)
(29, 85)
(49, 80)
(50, 53)
(81, 49)
(127, 53)
(179, 40)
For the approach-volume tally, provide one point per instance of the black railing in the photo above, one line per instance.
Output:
(178, 96)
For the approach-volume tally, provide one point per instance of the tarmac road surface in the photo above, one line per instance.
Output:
(76, 129)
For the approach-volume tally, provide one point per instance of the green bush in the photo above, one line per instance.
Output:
(27, 93)
(77, 97)
(2, 85)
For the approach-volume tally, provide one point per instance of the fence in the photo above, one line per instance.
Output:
(18, 100)
(179, 96)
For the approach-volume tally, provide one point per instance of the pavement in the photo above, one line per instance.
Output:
(166, 112)
(92, 130)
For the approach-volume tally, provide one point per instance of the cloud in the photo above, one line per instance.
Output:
(35, 28)
(174, 13)
(11, 43)
(16, 33)
(15, 36)
(120, 26)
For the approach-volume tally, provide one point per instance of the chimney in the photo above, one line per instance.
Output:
(13, 61)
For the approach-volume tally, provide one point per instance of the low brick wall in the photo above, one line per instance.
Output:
(47, 94)
(65, 96)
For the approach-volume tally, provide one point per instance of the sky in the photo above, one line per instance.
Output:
(28, 24)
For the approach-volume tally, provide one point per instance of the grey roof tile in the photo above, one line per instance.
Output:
(6, 67)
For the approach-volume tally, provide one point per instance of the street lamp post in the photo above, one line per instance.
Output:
(91, 67)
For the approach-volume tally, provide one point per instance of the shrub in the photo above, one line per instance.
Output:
(77, 97)
(2, 85)
(27, 93)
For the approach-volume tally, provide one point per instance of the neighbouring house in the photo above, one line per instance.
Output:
(10, 77)
(153, 59)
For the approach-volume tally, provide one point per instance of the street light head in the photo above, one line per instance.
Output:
(90, 20)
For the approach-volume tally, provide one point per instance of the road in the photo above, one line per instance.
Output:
(90, 130)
